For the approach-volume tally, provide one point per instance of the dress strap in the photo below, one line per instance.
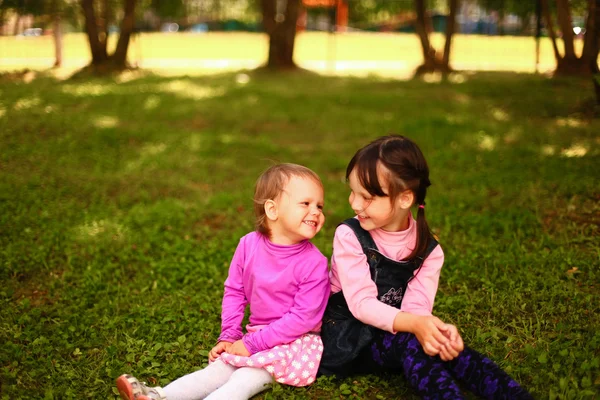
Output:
(367, 244)
(364, 237)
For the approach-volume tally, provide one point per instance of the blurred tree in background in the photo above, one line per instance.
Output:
(98, 15)
(569, 63)
(432, 61)
(279, 22)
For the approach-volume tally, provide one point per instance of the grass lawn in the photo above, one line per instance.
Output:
(121, 202)
(394, 53)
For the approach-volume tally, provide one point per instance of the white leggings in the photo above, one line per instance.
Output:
(219, 381)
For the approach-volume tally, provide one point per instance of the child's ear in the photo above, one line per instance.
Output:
(406, 199)
(271, 210)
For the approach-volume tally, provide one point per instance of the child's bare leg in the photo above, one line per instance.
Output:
(243, 384)
(199, 384)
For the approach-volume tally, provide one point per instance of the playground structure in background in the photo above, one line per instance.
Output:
(336, 19)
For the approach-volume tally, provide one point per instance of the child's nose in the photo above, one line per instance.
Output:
(356, 204)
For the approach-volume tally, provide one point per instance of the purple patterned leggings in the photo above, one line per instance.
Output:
(433, 378)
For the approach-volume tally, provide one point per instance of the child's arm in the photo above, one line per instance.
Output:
(234, 298)
(421, 290)
(306, 313)
(350, 273)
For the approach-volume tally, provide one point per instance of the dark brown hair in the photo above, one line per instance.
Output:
(406, 170)
(269, 186)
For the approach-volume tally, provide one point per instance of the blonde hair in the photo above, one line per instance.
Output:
(269, 186)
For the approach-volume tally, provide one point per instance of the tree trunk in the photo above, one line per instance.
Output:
(450, 29)
(594, 60)
(569, 63)
(279, 22)
(431, 61)
(2, 17)
(550, 27)
(102, 23)
(127, 25)
(592, 37)
(17, 23)
(99, 55)
(563, 13)
(58, 45)
(421, 28)
(597, 88)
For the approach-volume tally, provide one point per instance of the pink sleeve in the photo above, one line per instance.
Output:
(421, 291)
(234, 299)
(349, 267)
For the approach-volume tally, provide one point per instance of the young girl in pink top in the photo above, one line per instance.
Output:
(284, 279)
(384, 276)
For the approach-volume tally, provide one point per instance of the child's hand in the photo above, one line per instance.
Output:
(239, 349)
(455, 345)
(429, 332)
(218, 349)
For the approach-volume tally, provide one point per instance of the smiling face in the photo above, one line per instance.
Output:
(375, 212)
(297, 213)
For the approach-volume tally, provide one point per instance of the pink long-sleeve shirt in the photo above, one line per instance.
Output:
(287, 288)
(350, 273)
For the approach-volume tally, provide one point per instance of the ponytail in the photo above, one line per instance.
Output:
(423, 231)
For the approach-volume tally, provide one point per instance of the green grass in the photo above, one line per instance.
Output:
(121, 203)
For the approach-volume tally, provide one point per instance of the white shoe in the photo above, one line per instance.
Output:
(132, 389)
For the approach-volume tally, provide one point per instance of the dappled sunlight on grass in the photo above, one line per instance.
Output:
(548, 150)
(191, 90)
(148, 151)
(130, 75)
(194, 142)
(242, 79)
(500, 115)
(29, 76)
(570, 122)
(101, 229)
(105, 122)
(227, 139)
(252, 99)
(457, 78)
(462, 98)
(27, 103)
(153, 149)
(87, 89)
(576, 150)
(151, 102)
(486, 142)
(432, 77)
(455, 119)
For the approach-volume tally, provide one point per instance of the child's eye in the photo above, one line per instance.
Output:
(320, 207)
